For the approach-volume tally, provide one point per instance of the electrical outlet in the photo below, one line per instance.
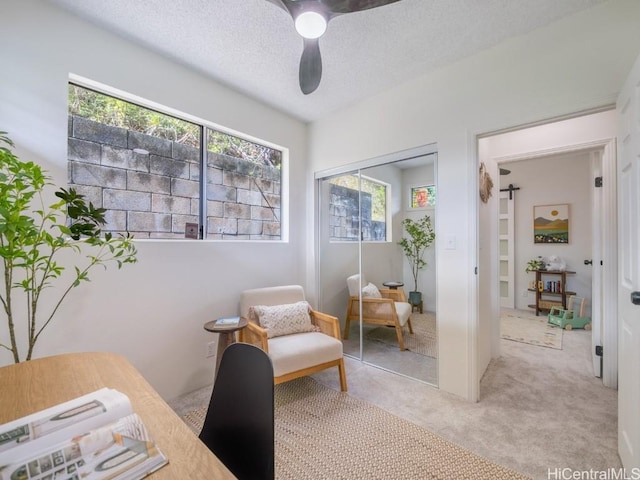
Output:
(191, 230)
(212, 349)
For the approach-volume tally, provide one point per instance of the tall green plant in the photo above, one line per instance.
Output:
(420, 237)
(33, 236)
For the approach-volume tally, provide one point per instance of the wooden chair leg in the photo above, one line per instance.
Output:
(400, 337)
(410, 326)
(343, 376)
(347, 326)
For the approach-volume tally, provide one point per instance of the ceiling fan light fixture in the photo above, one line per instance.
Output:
(311, 25)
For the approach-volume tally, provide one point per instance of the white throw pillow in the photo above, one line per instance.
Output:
(371, 290)
(285, 319)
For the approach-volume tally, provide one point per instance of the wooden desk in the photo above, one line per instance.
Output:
(32, 386)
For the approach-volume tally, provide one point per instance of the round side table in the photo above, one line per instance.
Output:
(227, 335)
(393, 285)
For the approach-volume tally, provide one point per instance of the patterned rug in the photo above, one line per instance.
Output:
(321, 433)
(423, 341)
(530, 329)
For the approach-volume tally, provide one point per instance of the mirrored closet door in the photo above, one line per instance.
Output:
(339, 250)
(361, 213)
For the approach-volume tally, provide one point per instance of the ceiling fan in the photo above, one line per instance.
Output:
(310, 19)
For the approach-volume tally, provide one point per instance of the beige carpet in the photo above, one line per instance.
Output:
(325, 434)
(524, 328)
(423, 340)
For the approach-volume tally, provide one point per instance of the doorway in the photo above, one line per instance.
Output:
(577, 146)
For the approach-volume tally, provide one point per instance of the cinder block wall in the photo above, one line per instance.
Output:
(150, 185)
(344, 216)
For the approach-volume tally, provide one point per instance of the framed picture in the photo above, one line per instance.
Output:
(423, 196)
(551, 223)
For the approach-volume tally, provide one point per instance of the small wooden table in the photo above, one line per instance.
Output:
(38, 384)
(393, 285)
(227, 335)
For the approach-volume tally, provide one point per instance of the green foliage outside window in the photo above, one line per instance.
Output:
(119, 113)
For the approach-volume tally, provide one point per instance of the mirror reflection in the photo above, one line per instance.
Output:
(367, 278)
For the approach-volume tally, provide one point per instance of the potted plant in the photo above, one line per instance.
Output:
(32, 239)
(420, 236)
(535, 264)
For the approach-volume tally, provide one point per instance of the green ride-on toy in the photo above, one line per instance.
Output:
(572, 316)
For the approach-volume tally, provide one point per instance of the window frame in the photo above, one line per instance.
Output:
(206, 126)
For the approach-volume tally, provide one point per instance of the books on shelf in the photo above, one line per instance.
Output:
(96, 436)
(227, 321)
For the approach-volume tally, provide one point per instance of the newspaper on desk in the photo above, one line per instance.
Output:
(94, 437)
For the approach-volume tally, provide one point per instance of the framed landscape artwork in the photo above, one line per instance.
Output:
(551, 223)
(423, 196)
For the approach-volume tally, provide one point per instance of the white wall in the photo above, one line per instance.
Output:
(381, 261)
(558, 179)
(415, 177)
(574, 64)
(152, 312)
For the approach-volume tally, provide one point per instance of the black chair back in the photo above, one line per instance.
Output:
(238, 427)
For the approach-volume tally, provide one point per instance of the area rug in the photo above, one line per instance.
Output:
(321, 433)
(530, 329)
(423, 340)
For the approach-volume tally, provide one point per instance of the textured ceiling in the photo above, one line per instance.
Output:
(251, 45)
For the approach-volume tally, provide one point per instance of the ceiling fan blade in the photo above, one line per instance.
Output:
(347, 6)
(329, 8)
(310, 66)
(279, 3)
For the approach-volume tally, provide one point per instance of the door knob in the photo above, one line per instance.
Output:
(588, 262)
(635, 298)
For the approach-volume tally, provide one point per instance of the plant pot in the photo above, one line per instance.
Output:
(415, 298)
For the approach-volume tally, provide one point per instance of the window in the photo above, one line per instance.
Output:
(423, 197)
(156, 178)
(351, 196)
(243, 189)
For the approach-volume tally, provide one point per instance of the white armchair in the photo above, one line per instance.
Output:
(390, 308)
(297, 354)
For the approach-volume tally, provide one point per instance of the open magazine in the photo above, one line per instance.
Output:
(93, 437)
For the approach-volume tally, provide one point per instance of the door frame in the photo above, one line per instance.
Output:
(609, 243)
(610, 257)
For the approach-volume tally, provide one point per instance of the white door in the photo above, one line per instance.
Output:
(628, 108)
(507, 272)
